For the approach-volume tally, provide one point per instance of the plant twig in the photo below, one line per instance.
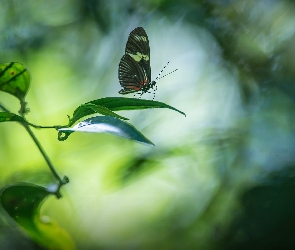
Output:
(31, 124)
(27, 125)
(50, 165)
(39, 126)
(3, 108)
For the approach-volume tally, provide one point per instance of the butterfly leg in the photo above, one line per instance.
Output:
(155, 91)
(138, 93)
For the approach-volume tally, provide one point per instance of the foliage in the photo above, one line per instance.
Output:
(23, 201)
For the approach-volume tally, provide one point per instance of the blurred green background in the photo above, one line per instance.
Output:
(220, 178)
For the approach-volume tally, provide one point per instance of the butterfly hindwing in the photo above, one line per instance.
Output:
(131, 76)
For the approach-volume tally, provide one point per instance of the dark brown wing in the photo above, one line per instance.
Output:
(138, 41)
(131, 76)
(138, 48)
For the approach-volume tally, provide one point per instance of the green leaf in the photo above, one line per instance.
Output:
(106, 106)
(109, 125)
(122, 103)
(89, 109)
(7, 116)
(14, 79)
(22, 202)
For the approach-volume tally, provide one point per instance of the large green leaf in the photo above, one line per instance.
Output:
(115, 104)
(22, 202)
(122, 103)
(106, 124)
(14, 79)
(90, 108)
(7, 116)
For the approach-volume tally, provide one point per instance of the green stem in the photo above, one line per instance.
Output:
(61, 182)
(3, 108)
(31, 124)
(43, 153)
(26, 125)
(39, 126)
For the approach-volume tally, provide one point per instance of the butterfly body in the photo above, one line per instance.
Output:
(134, 67)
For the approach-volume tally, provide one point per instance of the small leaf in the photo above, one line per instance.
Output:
(109, 125)
(89, 109)
(122, 103)
(22, 202)
(14, 79)
(7, 116)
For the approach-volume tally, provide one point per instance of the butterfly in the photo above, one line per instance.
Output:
(134, 68)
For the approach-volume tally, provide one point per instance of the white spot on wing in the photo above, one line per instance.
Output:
(139, 56)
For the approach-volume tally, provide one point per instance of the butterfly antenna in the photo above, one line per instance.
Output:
(167, 74)
(157, 78)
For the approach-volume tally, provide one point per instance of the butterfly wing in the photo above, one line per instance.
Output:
(131, 76)
(138, 48)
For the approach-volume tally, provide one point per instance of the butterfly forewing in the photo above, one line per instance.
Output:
(138, 45)
(131, 76)
(138, 48)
